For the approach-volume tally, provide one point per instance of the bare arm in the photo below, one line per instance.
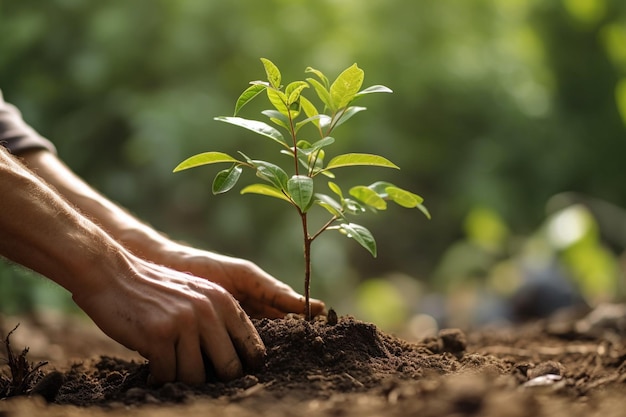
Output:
(259, 293)
(169, 317)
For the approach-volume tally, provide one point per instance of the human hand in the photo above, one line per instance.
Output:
(171, 319)
(259, 293)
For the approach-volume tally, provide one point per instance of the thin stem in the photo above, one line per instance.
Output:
(307, 267)
(292, 131)
(332, 125)
(323, 228)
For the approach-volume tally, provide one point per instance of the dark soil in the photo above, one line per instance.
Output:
(570, 365)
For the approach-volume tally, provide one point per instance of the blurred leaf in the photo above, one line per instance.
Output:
(380, 301)
(586, 11)
(484, 227)
(620, 97)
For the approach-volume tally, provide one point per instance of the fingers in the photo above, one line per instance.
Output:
(246, 340)
(231, 339)
(264, 295)
(258, 309)
(223, 356)
(162, 365)
(286, 300)
(189, 362)
(317, 307)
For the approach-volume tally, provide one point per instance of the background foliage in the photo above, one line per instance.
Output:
(498, 106)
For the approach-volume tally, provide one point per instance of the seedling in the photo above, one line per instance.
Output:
(295, 178)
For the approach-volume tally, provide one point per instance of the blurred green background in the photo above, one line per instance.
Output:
(508, 116)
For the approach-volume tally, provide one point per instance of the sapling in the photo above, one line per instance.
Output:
(295, 178)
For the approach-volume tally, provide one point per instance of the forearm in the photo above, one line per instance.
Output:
(44, 233)
(121, 225)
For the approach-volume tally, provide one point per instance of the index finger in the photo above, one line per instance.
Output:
(289, 301)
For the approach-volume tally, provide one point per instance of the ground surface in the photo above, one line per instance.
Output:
(570, 365)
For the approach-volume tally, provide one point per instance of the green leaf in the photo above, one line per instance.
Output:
(308, 107)
(352, 206)
(325, 121)
(424, 210)
(300, 188)
(293, 91)
(361, 235)
(346, 86)
(314, 120)
(250, 93)
(205, 159)
(267, 190)
(272, 173)
(277, 118)
(273, 74)
(381, 188)
(400, 196)
(279, 100)
(330, 204)
(261, 128)
(404, 198)
(335, 189)
(319, 74)
(352, 159)
(374, 89)
(322, 92)
(368, 196)
(350, 111)
(310, 148)
(225, 180)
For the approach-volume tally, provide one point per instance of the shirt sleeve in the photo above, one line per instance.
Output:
(16, 135)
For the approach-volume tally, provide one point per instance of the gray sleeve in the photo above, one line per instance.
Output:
(16, 135)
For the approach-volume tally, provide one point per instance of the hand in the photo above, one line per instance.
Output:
(260, 294)
(171, 319)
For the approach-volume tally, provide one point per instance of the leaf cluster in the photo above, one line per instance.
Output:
(290, 111)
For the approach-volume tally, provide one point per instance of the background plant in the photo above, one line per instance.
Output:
(292, 111)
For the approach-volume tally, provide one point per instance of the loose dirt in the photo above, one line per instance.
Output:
(573, 364)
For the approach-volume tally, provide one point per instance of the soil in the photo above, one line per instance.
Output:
(572, 364)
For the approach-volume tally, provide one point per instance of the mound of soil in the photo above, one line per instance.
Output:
(572, 366)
